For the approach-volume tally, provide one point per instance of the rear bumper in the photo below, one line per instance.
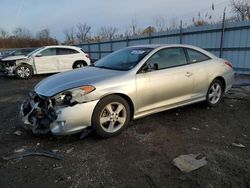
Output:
(58, 120)
(229, 79)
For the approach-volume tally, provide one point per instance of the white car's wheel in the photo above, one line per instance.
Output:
(111, 116)
(79, 64)
(214, 93)
(24, 71)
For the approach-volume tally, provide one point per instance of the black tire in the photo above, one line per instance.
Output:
(213, 98)
(24, 71)
(118, 119)
(79, 64)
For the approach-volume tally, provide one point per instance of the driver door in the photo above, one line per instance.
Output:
(46, 61)
(170, 84)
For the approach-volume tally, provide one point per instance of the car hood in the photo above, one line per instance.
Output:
(72, 79)
(12, 58)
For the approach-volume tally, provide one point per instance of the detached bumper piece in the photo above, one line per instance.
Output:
(38, 113)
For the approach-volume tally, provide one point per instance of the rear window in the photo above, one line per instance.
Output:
(195, 56)
(65, 51)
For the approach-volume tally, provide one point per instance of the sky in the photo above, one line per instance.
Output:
(58, 15)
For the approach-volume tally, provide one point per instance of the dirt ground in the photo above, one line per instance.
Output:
(139, 157)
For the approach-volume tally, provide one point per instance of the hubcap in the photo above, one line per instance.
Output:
(23, 72)
(113, 117)
(214, 93)
(79, 65)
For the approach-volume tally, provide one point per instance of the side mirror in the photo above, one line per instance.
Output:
(149, 67)
(39, 55)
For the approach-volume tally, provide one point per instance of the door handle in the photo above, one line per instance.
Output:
(188, 74)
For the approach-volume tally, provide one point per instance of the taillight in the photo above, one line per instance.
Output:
(87, 55)
(229, 64)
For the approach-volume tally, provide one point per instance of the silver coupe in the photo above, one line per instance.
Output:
(127, 84)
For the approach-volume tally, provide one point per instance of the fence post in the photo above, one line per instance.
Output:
(127, 40)
(149, 35)
(111, 45)
(181, 34)
(99, 49)
(222, 33)
(89, 48)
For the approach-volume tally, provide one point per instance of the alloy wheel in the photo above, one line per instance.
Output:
(113, 117)
(214, 93)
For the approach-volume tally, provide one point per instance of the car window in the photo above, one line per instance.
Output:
(169, 57)
(124, 60)
(65, 51)
(195, 56)
(48, 52)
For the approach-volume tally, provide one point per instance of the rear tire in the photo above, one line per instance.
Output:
(79, 64)
(111, 116)
(24, 71)
(214, 93)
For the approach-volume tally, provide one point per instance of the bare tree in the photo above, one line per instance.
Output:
(21, 33)
(160, 23)
(3, 34)
(107, 32)
(241, 9)
(173, 23)
(83, 30)
(44, 37)
(43, 34)
(133, 28)
(69, 35)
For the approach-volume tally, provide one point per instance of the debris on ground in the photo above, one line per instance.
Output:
(86, 132)
(19, 154)
(195, 129)
(54, 150)
(244, 135)
(190, 162)
(18, 133)
(69, 150)
(238, 145)
(57, 166)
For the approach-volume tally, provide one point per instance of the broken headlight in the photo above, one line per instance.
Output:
(72, 96)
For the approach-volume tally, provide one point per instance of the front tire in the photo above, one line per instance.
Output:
(111, 116)
(24, 71)
(214, 93)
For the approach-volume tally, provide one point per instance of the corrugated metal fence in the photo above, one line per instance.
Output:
(231, 42)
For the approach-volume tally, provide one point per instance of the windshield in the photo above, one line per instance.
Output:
(31, 53)
(124, 59)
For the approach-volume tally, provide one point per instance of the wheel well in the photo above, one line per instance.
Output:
(222, 80)
(79, 61)
(130, 102)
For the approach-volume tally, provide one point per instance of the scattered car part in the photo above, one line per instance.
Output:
(190, 162)
(86, 132)
(239, 145)
(33, 152)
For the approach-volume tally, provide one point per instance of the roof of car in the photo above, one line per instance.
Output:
(62, 46)
(159, 46)
(164, 45)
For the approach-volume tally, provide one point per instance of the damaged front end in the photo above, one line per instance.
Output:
(65, 113)
(8, 67)
(38, 113)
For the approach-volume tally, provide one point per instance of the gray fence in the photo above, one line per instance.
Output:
(230, 41)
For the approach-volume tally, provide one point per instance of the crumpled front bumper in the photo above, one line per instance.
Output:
(7, 68)
(62, 120)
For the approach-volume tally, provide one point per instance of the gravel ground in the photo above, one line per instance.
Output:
(139, 157)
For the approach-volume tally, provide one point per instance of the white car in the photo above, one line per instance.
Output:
(48, 59)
